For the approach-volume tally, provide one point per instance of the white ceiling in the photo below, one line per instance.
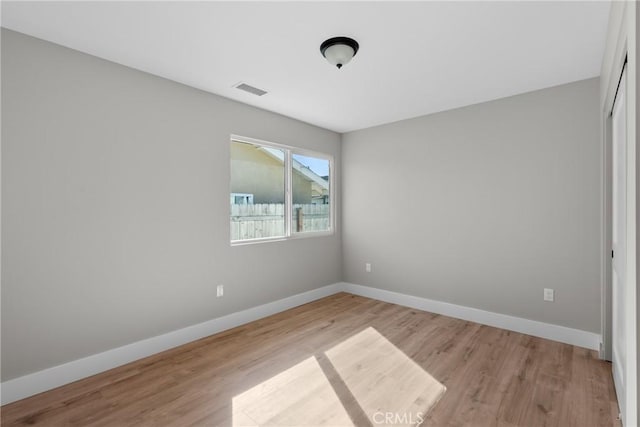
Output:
(415, 58)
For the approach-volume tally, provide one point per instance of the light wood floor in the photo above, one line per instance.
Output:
(492, 376)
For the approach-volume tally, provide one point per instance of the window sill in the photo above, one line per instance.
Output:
(295, 236)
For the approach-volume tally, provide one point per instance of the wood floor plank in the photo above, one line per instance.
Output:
(492, 377)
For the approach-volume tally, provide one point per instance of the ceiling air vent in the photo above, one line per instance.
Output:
(248, 88)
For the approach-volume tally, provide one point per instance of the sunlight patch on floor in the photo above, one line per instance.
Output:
(365, 378)
(387, 384)
(299, 396)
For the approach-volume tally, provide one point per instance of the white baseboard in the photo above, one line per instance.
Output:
(563, 334)
(50, 378)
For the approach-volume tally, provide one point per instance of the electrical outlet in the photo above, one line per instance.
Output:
(548, 294)
(220, 291)
(367, 267)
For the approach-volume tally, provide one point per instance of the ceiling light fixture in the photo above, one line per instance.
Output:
(339, 50)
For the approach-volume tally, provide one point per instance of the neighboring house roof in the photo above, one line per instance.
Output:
(297, 166)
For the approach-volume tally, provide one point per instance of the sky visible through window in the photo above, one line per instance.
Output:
(318, 166)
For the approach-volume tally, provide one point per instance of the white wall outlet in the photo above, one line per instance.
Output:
(220, 291)
(548, 294)
(367, 267)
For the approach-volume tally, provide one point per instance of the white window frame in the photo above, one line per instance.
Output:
(288, 179)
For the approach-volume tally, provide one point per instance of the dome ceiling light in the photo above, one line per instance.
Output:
(339, 50)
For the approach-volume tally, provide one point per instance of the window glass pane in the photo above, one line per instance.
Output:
(257, 191)
(310, 180)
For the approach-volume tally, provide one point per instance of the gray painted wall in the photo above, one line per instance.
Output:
(483, 206)
(115, 193)
(115, 207)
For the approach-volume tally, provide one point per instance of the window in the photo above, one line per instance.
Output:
(241, 199)
(278, 191)
(310, 187)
